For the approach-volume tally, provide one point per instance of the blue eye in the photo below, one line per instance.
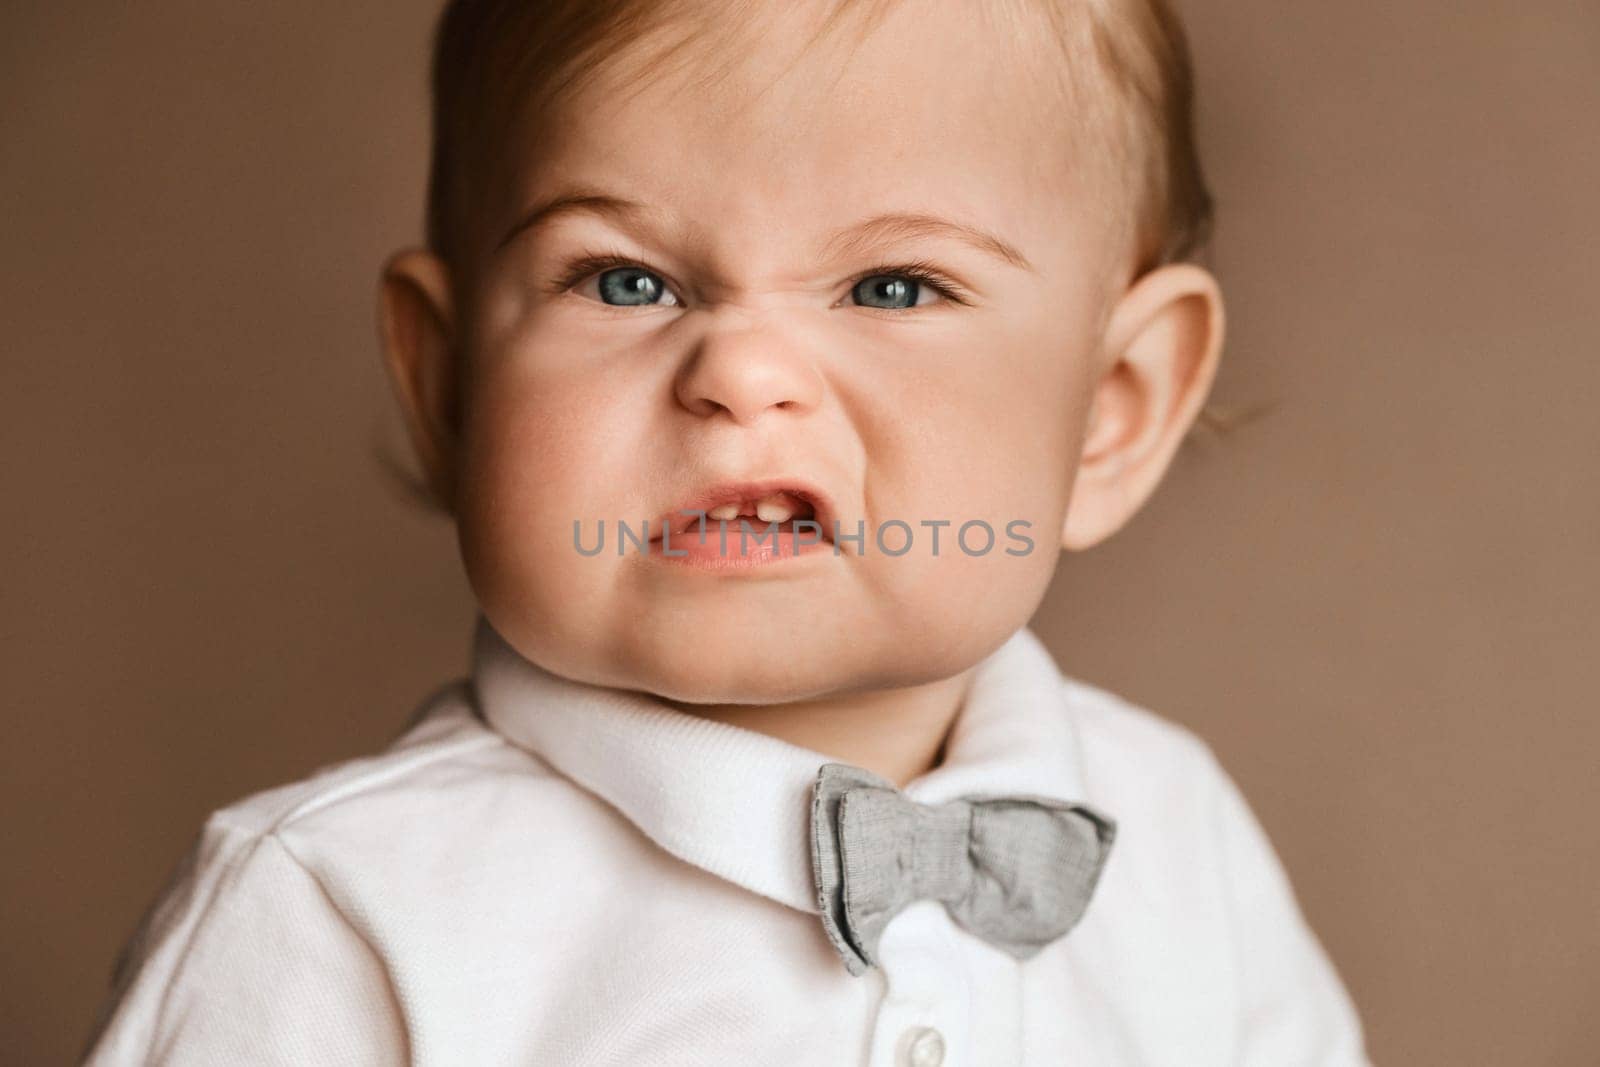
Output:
(631, 287)
(899, 288)
(887, 291)
(620, 282)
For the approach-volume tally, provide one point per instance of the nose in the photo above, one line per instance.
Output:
(746, 373)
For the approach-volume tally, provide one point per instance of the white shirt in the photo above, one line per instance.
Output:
(545, 872)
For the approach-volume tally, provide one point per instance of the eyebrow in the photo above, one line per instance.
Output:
(900, 225)
(852, 240)
(577, 202)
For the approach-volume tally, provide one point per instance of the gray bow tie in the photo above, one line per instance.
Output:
(1018, 871)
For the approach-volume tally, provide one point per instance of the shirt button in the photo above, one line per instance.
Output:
(921, 1046)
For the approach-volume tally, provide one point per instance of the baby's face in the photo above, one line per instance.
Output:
(765, 322)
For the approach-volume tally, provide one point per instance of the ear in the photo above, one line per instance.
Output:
(415, 322)
(1163, 342)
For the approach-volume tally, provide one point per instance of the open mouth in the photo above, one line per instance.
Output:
(760, 505)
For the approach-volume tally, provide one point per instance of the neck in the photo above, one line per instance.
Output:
(897, 733)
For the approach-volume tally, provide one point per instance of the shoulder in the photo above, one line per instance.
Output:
(1177, 810)
(1204, 882)
(1169, 785)
(435, 798)
(447, 785)
(444, 736)
(275, 832)
(1128, 749)
(251, 905)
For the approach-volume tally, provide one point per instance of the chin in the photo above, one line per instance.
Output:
(781, 667)
(743, 667)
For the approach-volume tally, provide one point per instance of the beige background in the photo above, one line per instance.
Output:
(1378, 602)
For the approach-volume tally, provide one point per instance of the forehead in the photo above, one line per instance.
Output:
(762, 127)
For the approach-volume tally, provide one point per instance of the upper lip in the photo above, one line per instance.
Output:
(822, 511)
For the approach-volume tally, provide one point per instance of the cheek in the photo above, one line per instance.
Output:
(539, 455)
(993, 435)
(987, 438)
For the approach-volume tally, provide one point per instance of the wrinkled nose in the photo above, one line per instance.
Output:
(746, 373)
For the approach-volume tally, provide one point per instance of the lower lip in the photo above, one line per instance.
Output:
(727, 546)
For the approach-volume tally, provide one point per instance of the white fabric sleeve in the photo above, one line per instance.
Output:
(1294, 1009)
(244, 959)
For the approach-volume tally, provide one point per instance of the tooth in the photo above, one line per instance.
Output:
(723, 511)
(774, 509)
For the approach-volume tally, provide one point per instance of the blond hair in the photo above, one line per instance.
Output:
(500, 66)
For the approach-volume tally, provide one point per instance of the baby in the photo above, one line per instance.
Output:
(766, 355)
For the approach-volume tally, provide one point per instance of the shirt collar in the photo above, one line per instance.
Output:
(736, 802)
